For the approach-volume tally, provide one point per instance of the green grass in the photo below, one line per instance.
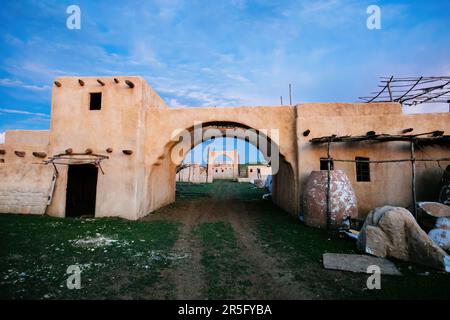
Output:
(300, 250)
(220, 189)
(225, 269)
(37, 250)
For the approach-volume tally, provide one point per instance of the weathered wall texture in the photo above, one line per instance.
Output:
(137, 119)
(390, 183)
(31, 138)
(25, 183)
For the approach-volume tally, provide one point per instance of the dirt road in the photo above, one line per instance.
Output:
(224, 203)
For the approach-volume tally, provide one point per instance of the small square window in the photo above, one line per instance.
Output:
(324, 164)
(96, 101)
(362, 169)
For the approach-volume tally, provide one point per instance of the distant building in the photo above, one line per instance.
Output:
(218, 169)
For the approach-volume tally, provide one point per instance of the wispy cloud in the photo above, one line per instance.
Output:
(5, 82)
(26, 113)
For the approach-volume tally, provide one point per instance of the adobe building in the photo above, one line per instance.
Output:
(223, 165)
(223, 170)
(193, 173)
(108, 150)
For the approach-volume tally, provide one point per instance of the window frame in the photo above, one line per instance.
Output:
(362, 169)
(99, 98)
(324, 162)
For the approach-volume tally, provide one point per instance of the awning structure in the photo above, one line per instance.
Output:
(77, 159)
(427, 138)
(417, 140)
(412, 91)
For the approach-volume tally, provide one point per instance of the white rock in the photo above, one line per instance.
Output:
(443, 223)
(441, 237)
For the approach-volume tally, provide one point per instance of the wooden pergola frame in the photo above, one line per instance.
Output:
(412, 91)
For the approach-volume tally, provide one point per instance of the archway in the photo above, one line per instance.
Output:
(284, 182)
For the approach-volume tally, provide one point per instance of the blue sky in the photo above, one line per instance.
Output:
(216, 53)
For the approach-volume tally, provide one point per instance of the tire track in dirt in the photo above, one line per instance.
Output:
(187, 274)
(268, 281)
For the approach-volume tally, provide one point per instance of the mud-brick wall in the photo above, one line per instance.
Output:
(24, 188)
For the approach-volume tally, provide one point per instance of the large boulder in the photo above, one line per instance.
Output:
(393, 232)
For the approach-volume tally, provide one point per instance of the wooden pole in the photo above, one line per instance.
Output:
(413, 188)
(394, 161)
(207, 166)
(389, 90)
(290, 94)
(328, 186)
(281, 99)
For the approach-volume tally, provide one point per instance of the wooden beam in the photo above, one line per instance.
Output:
(129, 83)
(58, 84)
(329, 186)
(39, 154)
(413, 186)
(101, 82)
(407, 130)
(81, 82)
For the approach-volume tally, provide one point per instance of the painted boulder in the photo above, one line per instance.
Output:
(343, 202)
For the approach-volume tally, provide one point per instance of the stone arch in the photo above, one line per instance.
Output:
(165, 167)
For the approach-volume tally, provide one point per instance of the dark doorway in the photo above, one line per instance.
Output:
(81, 190)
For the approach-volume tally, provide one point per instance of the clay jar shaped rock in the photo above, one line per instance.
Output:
(342, 199)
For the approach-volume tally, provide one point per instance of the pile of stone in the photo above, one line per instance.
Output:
(393, 232)
(440, 215)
